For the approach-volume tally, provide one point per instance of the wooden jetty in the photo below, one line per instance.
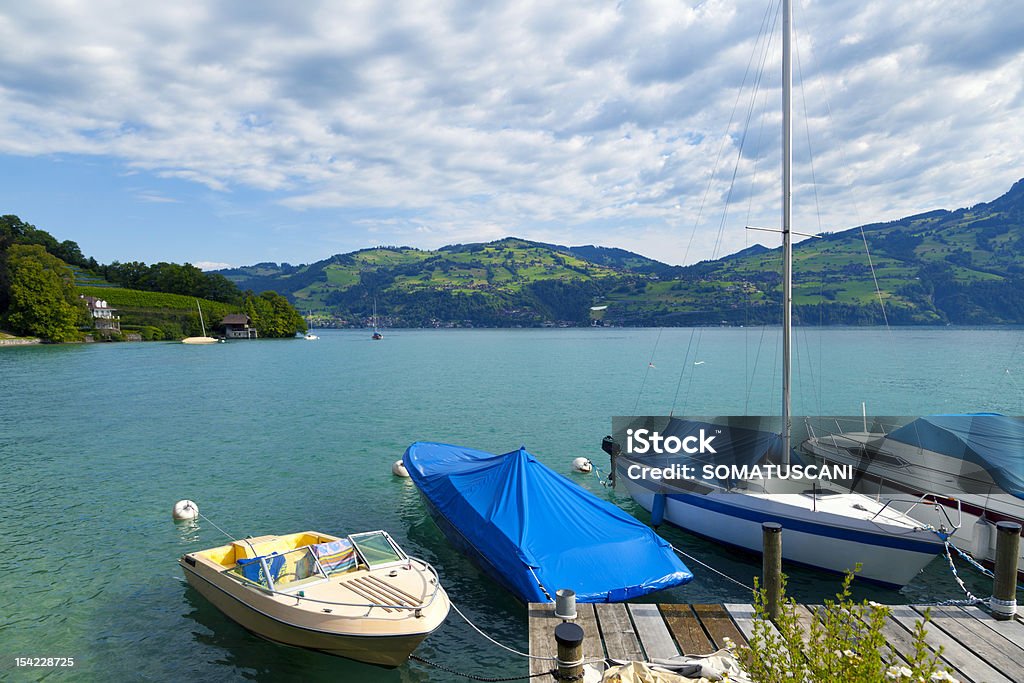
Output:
(977, 647)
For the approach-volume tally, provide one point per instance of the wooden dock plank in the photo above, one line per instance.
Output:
(542, 621)
(652, 631)
(743, 615)
(967, 664)
(805, 617)
(620, 641)
(1011, 629)
(994, 650)
(593, 647)
(686, 628)
(719, 625)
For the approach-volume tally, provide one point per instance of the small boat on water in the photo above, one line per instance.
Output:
(534, 531)
(359, 596)
(203, 339)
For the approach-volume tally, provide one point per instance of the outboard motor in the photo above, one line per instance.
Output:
(612, 448)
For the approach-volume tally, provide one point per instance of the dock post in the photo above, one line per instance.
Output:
(569, 637)
(1004, 582)
(771, 566)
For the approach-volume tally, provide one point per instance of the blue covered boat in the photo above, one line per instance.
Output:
(536, 532)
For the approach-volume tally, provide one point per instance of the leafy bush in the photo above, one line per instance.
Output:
(844, 645)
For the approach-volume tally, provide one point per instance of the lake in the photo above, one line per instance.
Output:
(98, 442)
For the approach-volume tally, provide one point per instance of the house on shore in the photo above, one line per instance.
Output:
(104, 318)
(238, 326)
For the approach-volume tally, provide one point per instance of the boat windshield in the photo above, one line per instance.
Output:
(377, 549)
(281, 571)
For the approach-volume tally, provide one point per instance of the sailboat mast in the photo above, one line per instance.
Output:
(787, 242)
(201, 323)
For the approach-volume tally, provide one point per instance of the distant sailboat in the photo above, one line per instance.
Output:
(309, 332)
(376, 332)
(204, 339)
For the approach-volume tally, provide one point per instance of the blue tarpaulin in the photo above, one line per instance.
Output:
(993, 442)
(537, 532)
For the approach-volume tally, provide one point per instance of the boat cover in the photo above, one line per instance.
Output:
(538, 532)
(994, 442)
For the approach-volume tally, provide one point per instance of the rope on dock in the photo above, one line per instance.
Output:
(708, 566)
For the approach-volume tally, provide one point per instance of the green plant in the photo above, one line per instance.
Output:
(843, 643)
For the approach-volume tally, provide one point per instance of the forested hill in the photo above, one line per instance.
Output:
(964, 266)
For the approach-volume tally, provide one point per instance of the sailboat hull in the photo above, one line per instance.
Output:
(888, 554)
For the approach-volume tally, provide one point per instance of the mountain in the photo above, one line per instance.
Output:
(941, 267)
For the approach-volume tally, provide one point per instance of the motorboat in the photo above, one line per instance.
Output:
(536, 532)
(358, 596)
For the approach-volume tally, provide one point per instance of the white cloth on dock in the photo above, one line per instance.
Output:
(680, 669)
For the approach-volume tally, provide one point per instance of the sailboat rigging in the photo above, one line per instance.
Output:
(376, 333)
(834, 531)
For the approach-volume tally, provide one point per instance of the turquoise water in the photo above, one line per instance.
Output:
(98, 441)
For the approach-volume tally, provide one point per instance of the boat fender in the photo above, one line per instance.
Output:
(398, 469)
(582, 465)
(185, 509)
(658, 510)
(981, 547)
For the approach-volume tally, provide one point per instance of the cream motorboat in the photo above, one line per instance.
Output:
(359, 597)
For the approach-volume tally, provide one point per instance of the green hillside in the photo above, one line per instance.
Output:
(157, 315)
(959, 267)
(506, 282)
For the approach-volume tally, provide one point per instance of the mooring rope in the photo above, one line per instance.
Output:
(708, 566)
(506, 647)
(475, 677)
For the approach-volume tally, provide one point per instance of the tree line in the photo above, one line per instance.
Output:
(38, 295)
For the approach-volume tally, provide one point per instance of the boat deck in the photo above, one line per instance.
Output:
(975, 646)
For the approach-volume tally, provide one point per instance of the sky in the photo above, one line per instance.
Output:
(230, 133)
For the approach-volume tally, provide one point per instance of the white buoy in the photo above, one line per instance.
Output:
(185, 509)
(582, 465)
(398, 469)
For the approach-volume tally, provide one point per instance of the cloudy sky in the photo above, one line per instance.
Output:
(239, 132)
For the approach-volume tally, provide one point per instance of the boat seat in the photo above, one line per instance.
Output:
(336, 556)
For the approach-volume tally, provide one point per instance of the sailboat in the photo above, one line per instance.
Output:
(974, 457)
(834, 531)
(203, 339)
(309, 336)
(376, 332)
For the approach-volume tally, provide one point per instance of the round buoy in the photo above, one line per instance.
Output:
(185, 509)
(398, 469)
(582, 465)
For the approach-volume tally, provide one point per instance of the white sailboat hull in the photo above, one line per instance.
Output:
(927, 473)
(890, 550)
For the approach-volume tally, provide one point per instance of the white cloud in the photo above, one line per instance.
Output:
(211, 265)
(590, 120)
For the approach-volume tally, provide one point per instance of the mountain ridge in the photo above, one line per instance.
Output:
(962, 266)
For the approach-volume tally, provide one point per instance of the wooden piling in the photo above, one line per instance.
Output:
(771, 566)
(1004, 582)
(569, 638)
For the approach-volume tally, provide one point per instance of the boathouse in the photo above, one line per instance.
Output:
(238, 326)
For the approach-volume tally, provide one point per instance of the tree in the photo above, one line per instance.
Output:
(273, 316)
(43, 302)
